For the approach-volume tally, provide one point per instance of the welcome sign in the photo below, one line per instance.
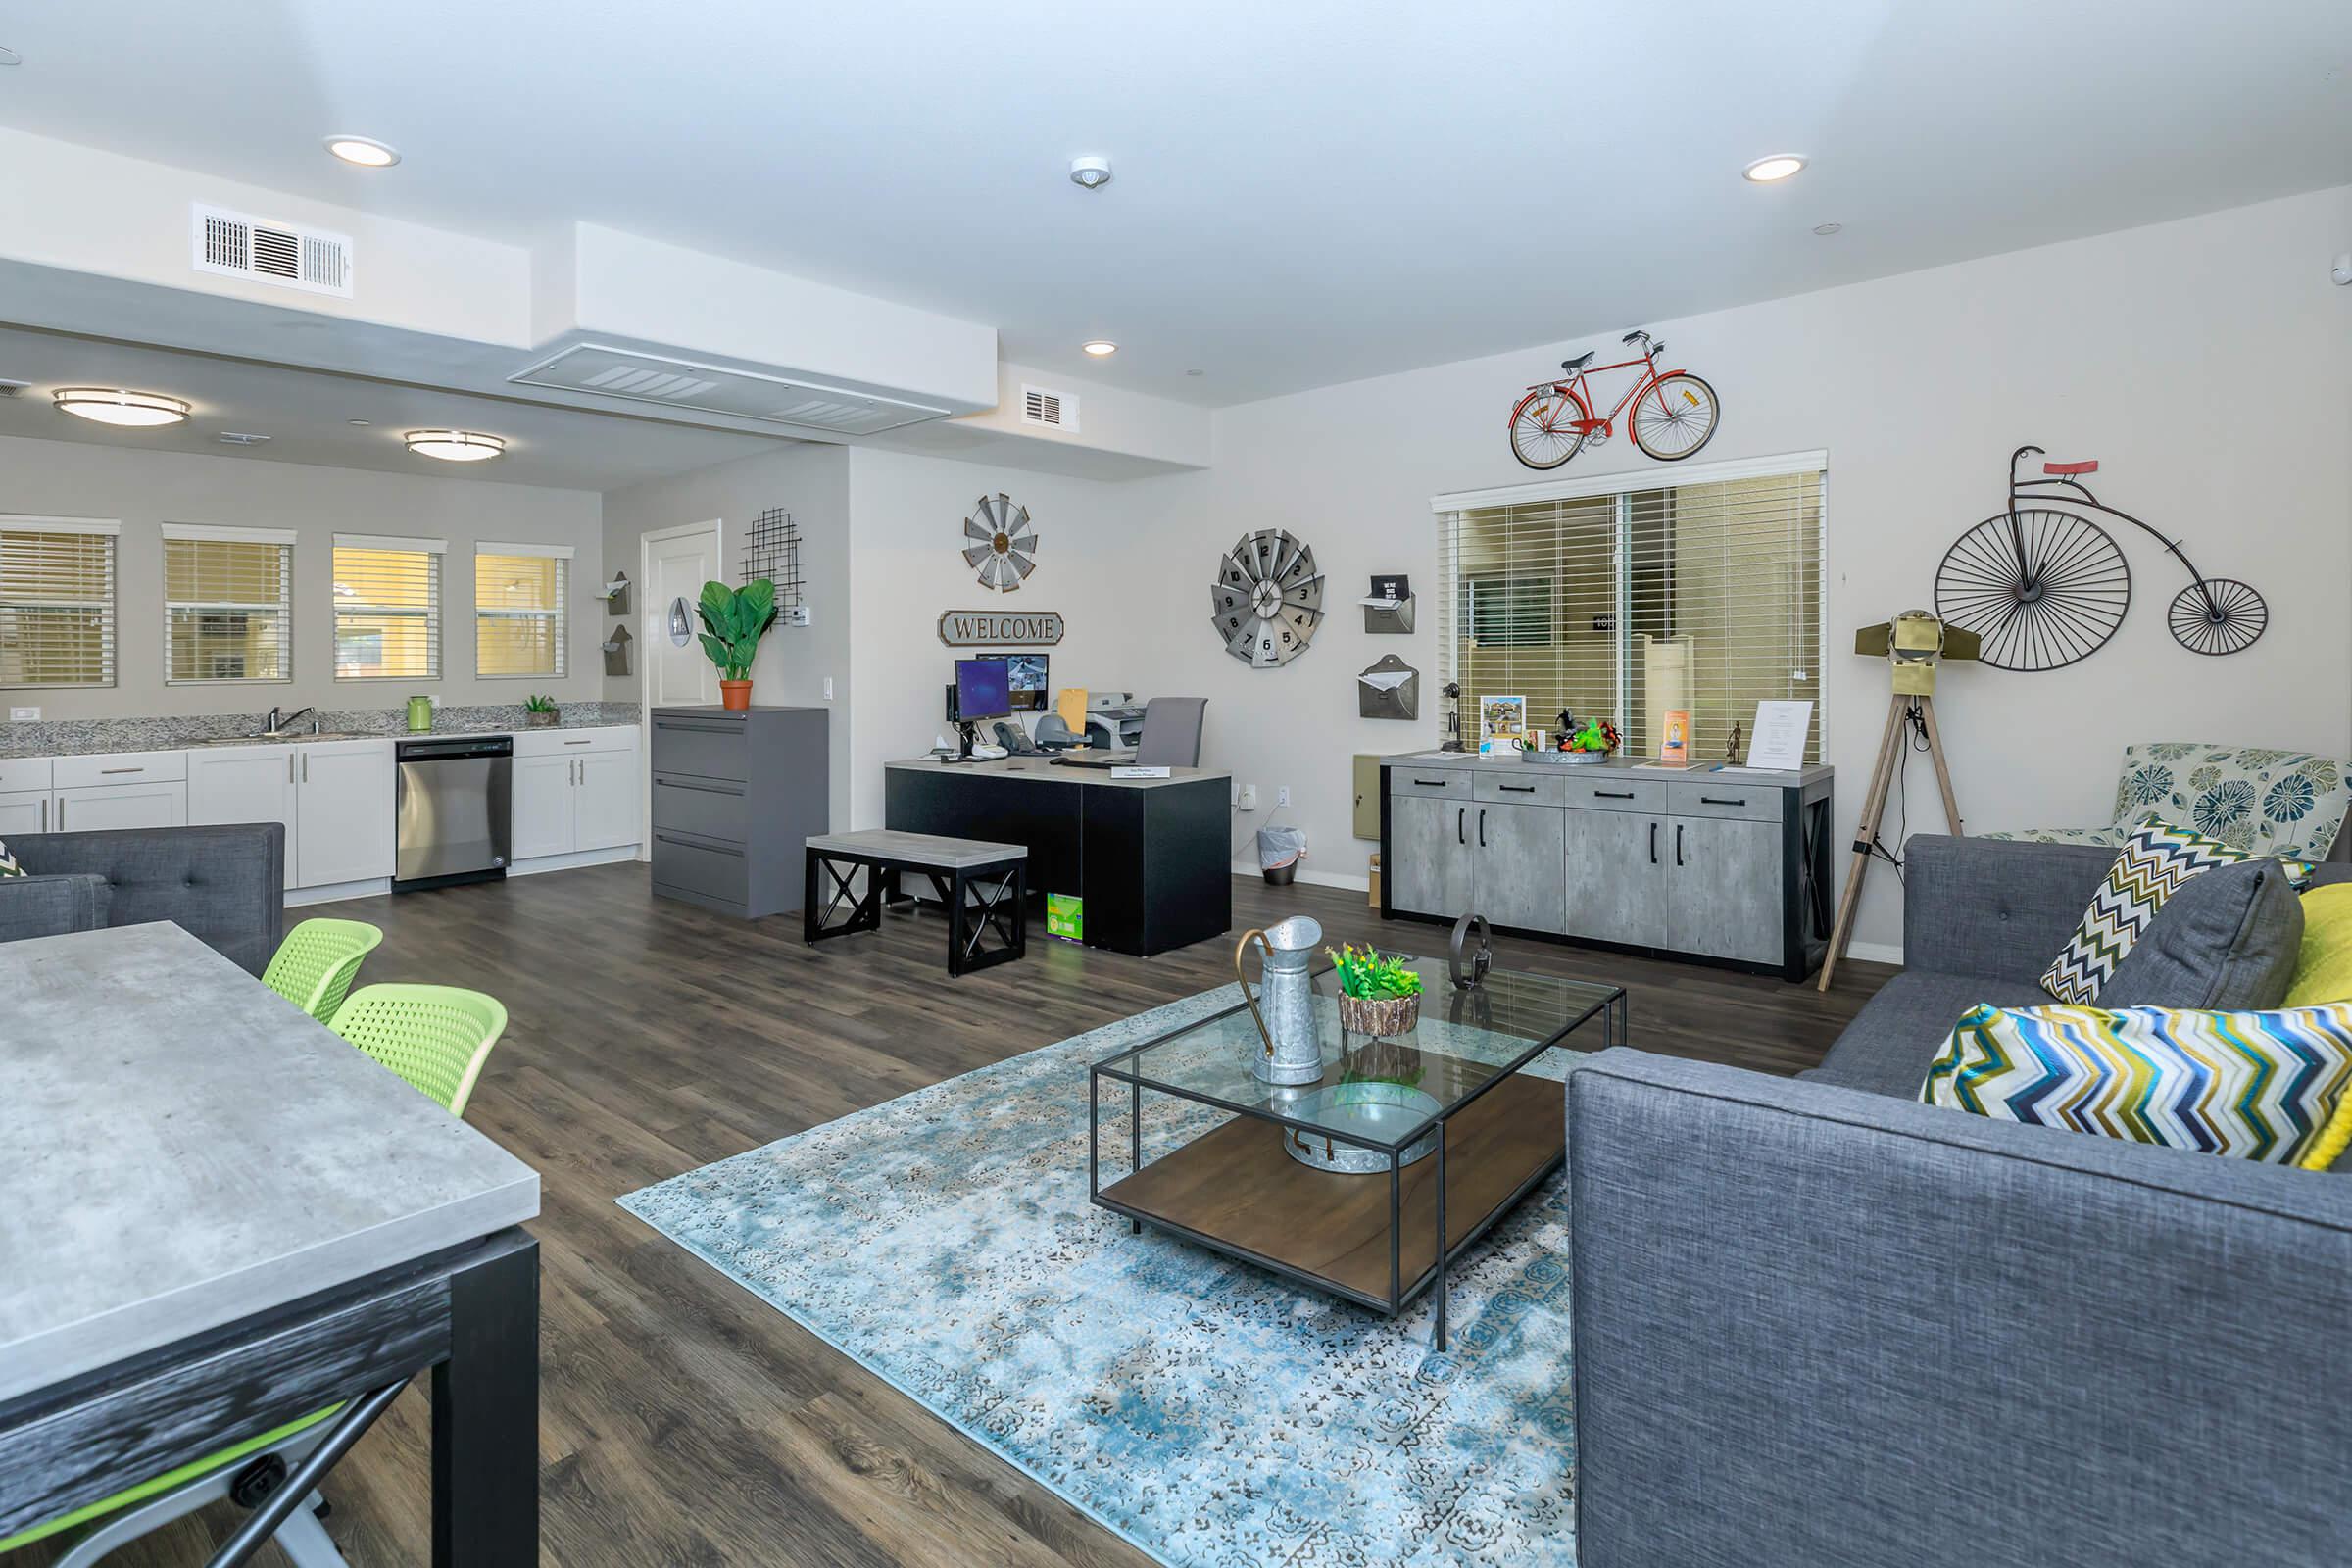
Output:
(1000, 628)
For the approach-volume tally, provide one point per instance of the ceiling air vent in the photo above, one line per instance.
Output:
(1056, 410)
(598, 371)
(9, 389)
(267, 251)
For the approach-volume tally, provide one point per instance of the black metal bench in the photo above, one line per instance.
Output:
(984, 887)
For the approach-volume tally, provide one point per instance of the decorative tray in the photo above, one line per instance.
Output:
(1565, 759)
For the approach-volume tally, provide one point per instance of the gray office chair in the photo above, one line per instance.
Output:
(1171, 732)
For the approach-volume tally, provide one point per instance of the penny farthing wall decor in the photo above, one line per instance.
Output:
(1267, 598)
(2043, 585)
(1003, 547)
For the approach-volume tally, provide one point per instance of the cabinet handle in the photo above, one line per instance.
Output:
(1461, 815)
(1439, 783)
(1612, 795)
(60, 813)
(1678, 843)
(1517, 789)
(122, 770)
(1481, 827)
(575, 743)
(45, 813)
(1717, 800)
(1653, 843)
(289, 767)
(305, 768)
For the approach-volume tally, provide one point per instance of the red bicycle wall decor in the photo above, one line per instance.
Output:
(1674, 412)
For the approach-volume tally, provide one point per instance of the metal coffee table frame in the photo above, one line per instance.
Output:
(1610, 1010)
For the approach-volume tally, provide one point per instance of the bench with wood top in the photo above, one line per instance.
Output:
(984, 885)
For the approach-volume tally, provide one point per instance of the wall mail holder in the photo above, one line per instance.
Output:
(615, 594)
(616, 652)
(1389, 689)
(1389, 608)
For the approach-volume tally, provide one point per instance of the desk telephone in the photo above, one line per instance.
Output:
(1015, 743)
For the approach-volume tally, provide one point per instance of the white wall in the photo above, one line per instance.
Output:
(2206, 364)
(144, 490)
(812, 483)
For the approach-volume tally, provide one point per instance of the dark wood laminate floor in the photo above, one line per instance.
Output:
(683, 1420)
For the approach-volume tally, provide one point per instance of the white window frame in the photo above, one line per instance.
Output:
(207, 534)
(433, 549)
(560, 614)
(1624, 485)
(111, 530)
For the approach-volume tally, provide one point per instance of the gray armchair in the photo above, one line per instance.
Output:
(224, 886)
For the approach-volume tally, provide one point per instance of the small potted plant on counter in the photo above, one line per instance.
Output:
(734, 619)
(541, 712)
(1378, 997)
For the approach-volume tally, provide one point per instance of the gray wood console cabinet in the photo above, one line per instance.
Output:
(735, 797)
(1730, 868)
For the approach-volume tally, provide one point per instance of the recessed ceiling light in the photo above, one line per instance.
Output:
(1780, 166)
(1092, 172)
(1101, 348)
(1193, 372)
(359, 423)
(455, 446)
(364, 151)
(118, 406)
(1826, 228)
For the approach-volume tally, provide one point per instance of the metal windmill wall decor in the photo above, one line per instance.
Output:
(1267, 598)
(1003, 552)
(2043, 585)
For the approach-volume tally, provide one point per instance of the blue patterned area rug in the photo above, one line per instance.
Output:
(1213, 1414)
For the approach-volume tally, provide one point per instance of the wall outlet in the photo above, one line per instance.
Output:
(1282, 794)
(1248, 799)
(828, 688)
(797, 615)
(23, 715)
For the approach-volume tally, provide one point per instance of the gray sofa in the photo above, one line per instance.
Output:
(1818, 1323)
(224, 886)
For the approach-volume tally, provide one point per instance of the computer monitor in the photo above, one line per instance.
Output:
(983, 689)
(1028, 681)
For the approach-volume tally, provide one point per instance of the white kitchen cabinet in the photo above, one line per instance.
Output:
(575, 790)
(247, 784)
(542, 808)
(24, 812)
(343, 811)
(605, 808)
(154, 803)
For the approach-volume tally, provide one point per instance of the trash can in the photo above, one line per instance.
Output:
(1279, 849)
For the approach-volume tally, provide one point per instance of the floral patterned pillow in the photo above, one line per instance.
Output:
(2250, 798)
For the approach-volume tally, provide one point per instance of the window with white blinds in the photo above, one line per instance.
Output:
(228, 605)
(1630, 598)
(57, 601)
(387, 608)
(518, 608)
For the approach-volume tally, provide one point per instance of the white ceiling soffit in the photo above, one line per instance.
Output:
(595, 369)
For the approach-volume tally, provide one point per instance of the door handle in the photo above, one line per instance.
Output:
(1678, 843)
(1653, 843)
(1461, 815)
(1481, 827)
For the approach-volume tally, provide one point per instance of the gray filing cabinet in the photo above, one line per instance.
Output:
(736, 795)
(1730, 867)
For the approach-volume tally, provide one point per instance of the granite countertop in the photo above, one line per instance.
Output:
(1619, 763)
(100, 736)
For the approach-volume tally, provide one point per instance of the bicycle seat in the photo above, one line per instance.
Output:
(1577, 364)
(2092, 467)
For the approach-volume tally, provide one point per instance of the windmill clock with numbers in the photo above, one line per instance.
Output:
(1267, 598)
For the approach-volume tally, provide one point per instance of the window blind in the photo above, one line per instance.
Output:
(518, 615)
(1626, 598)
(387, 608)
(228, 607)
(57, 602)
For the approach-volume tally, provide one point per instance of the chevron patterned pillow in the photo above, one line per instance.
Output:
(8, 863)
(2156, 858)
(2262, 1086)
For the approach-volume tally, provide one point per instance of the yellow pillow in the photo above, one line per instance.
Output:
(2324, 967)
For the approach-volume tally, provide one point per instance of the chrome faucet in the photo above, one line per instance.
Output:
(277, 725)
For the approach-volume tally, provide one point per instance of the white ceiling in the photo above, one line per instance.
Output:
(1307, 191)
(306, 416)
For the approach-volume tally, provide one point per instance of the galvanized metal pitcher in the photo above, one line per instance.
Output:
(1285, 1004)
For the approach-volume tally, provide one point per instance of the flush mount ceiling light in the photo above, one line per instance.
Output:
(1780, 166)
(9, 57)
(1100, 348)
(1826, 228)
(118, 406)
(239, 438)
(1092, 172)
(364, 151)
(455, 446)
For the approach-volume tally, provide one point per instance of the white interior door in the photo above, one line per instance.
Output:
(677, 563)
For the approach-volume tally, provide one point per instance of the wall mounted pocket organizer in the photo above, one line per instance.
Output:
(616, 652)
(615, 594)
(1389, 689)
(1389, 608)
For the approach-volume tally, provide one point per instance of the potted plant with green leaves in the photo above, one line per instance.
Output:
(1378, 995)
(541, 712)
(734, 619)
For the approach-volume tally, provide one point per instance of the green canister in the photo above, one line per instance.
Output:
(420, 715)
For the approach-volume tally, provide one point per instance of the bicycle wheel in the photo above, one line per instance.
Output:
(1544, 434)
(2217, 616)
(2041, 588)
(1674, 417)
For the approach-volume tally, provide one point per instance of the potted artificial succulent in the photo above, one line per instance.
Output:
(1378, 997)
(734, 619)
(540, 712)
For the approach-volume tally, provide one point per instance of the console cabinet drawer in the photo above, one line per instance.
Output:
(1455, 782)
(1751, 802)
(1540, 787)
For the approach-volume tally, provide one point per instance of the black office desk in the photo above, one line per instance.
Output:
(1152, 858)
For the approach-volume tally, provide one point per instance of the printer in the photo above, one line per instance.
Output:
(1114, 721)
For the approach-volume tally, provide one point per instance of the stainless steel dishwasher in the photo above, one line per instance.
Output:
(453, 811)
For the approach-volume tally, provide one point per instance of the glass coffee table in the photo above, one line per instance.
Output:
(1370, 1183)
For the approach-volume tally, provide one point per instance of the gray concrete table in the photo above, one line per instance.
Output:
(982, 885)
(220, 1217)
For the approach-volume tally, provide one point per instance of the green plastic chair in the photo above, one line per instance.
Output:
(315, 966)
(436, 1037)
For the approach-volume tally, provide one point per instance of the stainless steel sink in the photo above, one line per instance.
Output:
(286, 738)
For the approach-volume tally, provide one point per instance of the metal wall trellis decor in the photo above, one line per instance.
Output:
(2043, 585)
(772, 550)
(1267, 598)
